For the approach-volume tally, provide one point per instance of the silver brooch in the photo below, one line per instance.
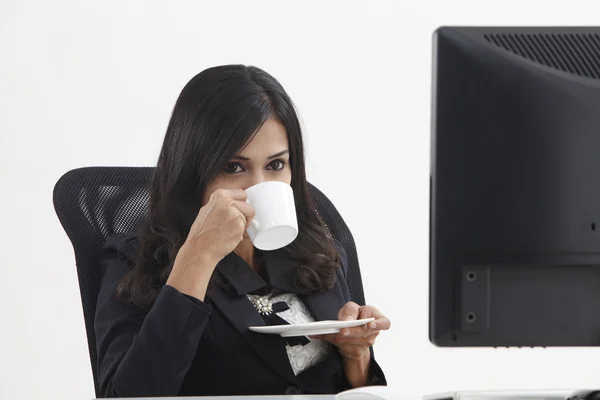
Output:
(262, 305)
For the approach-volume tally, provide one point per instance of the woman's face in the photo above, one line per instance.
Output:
(265, 158)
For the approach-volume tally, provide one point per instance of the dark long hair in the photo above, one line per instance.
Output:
(216, 115)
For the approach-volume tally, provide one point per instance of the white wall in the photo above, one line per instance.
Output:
(93, 83)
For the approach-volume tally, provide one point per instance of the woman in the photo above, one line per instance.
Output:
(177, 299)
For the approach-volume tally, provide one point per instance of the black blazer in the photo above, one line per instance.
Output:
(183, 346)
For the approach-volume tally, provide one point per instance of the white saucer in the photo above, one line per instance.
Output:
(310, 328)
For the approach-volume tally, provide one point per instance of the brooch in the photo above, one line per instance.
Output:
(262, 305)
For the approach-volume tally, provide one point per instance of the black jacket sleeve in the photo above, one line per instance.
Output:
(143, 353)
(377, 375)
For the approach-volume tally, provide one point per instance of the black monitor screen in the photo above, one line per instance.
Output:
(515, 187)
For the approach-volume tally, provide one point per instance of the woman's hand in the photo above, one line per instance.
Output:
(221, 223)
(354, 343)
(216, 232)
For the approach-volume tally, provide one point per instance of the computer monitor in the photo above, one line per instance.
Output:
(515, 187)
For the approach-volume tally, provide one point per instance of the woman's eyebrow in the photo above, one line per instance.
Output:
(286, 151)
(242, 158)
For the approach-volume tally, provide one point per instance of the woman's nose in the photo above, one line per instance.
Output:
(257, 178)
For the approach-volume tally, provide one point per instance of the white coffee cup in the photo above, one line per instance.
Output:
(274, 224)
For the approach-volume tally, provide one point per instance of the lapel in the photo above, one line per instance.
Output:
(326, 305)
(240, 312)
(322, 306)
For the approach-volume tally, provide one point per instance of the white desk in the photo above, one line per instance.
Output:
(283, 397)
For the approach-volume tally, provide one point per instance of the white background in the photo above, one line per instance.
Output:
(93, 83)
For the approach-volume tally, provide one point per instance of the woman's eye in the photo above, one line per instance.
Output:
(233, 168)
(276, 165)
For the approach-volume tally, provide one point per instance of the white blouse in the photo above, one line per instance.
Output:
(301, 357)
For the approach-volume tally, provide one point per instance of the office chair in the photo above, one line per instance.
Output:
(93, 203)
